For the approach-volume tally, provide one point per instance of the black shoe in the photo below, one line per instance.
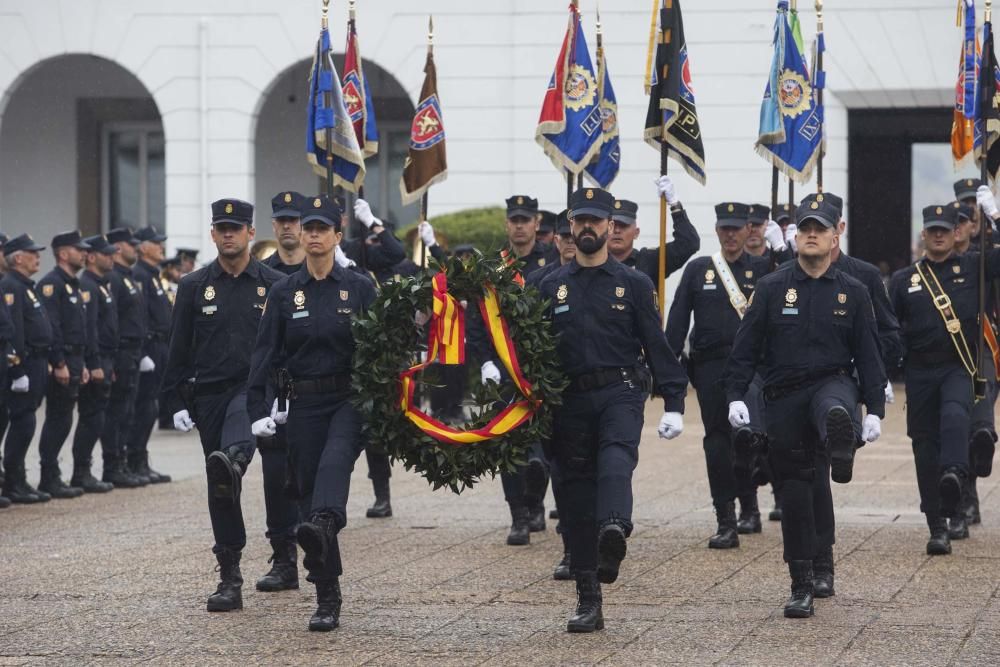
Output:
(950, 489)
(284, 573)
(53, 485)
(589, 615)
(5, 502)
(553, 514)
(83, 479)
(382, 509)
(20, 492)
(225, 477)
(775, 513)
(536, 478)
(536, 519)
(328, 603)
(135, 471)
(823, 574)
(958, 527)
(800, 604)
(972, 514)
(314, 538)
(562, 571)
(981, 451)
(939, 544)
(228, 596)
(749, 521)
(520, 534)
(611, 550)
(156, 477)
(726, 536)
(115, 474)
(841, 442)
(43, 496)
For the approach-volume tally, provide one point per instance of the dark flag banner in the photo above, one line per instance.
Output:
(672, 118)
(358, 95)
(604, 169)
(962, 136)
(426, 163)
(987, 126)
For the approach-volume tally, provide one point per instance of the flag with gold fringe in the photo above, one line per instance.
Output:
(427, 161)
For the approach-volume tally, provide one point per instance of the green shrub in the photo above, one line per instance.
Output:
(482, 227)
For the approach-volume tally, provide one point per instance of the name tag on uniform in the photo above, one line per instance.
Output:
(72, 299)
(300, 314)
(562, 309)
(259, 306)
(209, 310)
(709, 286)
(789, 311)
(38, 305)
(343, 311)
(915, 288)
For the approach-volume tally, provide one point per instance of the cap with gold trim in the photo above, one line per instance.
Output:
(940, 215)
(235, 211)
(732, 214)
(820, 207)
(593, 202)
(522, 206)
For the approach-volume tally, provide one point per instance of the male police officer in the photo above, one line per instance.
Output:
(371, 256)
(715, 290)
(766, 239)
(810, 326)
(102, 346)
(286, 221)
(607, 317)
(33, 341)
(211, 337)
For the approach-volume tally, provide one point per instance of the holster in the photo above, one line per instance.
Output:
(284, 388)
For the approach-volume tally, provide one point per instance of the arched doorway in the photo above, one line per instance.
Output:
(279, 142)
(81, 145)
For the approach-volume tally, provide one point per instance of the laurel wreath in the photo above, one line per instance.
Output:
(388, 343)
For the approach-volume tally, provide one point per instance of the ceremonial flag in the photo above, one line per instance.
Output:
(962, 134)
(791, 118)
(328, 120)
(672, 117)
(987, 122)
(426, 163)
(358, 96)
(570, 127)
(604, 169)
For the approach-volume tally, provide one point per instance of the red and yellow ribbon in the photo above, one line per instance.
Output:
(446, 342)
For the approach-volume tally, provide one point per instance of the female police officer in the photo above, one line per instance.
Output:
(305, 336)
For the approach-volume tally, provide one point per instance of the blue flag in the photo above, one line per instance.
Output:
(570, 126)
(604, 169)
(987, 122)
(330, 123)
(791, 118)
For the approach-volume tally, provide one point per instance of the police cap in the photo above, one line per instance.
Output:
(758, 214)
(101, 244)
(522, 206)
(591, 201)
(963, 211)
(21, 243)
(287, 205)
(966, 188)
(783, 213)
(939, 215)
(235, 211)
(322, 209)
(3, 238)
(548, 222)
(187, 253)
(562, 223)
(71, 239)
(732, 214)
(820, 207)
(121, 235)
(150, 234)
(626, 212)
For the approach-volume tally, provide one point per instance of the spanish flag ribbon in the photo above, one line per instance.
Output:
(991, 340)
(447, 341)
(509, 258)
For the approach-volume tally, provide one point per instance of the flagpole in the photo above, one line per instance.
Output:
(984, 219)
(424, 199)
(352, 27)
(328, 101)
(569, 187)
(664, 168)
(819, 94)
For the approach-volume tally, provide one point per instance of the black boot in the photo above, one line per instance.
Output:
(611, 549)
(562, 571)
(225, 475)
(726, 536)
(17, 489)
(981, 451)
(939, 544)
(800, 605)
(314, 537)
(328, 602)
(823, 574)
(519, 534)
(775, 513)
(589, 616)
(52, 484)
(553, 513)
(229, 594)
(382, 509)
(154, 476)
(958, 527)
(950, 489)
(284, 573)
(536, 518)
(841, 441)
(83, 479)
(116, 475)
(749, 521)
(133, 467)
(5, 502)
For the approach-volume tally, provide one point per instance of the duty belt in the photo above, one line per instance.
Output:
(75, 350)
(717, 352)
(608, 376)
(36, 350)
(323, 385)
(213, 388)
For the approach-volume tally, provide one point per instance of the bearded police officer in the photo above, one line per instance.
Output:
(809, 327)
(607, 317)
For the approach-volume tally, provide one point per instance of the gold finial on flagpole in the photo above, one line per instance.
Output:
(350, 9)
(989, 10)
(326, 14)
(430, 34)
(819, 15)
(795, 5)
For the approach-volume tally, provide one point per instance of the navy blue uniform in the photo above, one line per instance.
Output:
(306, 330)
(273, 261)
(885, 316)
(387, 253)
(684, 246)
(606, 318)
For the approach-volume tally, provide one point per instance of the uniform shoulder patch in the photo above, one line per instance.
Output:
(48, 290)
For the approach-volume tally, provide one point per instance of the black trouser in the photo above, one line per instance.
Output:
(728, 470)
(120, 413)
(379, 467)
(282, 512)
(938, 407)
(324, 442)
(513, 482)
(21, 410)
(800, 461)
(595, 449)
(146, 403)
(92, 407)
(983, 416)
(60, 400)
(224, 425)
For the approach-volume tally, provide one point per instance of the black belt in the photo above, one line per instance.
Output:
(36, 350)
(75, 350)
(775, 392)
(721, 352)
(941, 355)
(604, 377)
(323, 385)
(214, 388)
(163, 338)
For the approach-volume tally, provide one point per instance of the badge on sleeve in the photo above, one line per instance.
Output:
(48, 290)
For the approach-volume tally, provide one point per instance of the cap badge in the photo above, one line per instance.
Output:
(48, 290)
(791, 296)
(968, 182)
(209, 293)
(317, 203)
(590, 194)
(841, 298)
(229, 209)
(731, 208)
(618, 205)
(619, 292)
(261, 291)
(819, 197)
(300, 298)
(288, 197)
(520, 201)
(562, 292)
(939, 210)
(814, 206)
(344, 295)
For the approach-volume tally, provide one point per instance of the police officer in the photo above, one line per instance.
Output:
(131, 310)
(286, 221)
(766, 239)
(189, 258)
(607, 317)
(60, 290)
(380, 249)
(7, 354)
(809, 326)
(547, 223)
(715, 290)
(158, 309)
(212, 333)
(306, 338)
(33, 339)
(102, 346)
(936, 300)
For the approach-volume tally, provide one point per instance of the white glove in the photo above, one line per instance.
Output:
(427, 234)
(20, 385)
(363, 212)
(671, 425)
(739, 414)
(790, 231)
(280, 417)
(146, 365)
(665, 186)
(490, 373)
(341, 259)
(774, 236)
(890, 395)
(986, 201)
(264, 428)
(183, 421)
(871, 429)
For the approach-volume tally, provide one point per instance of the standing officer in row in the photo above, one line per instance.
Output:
(306, 338)
(7, 354)
(102, 346)
(607, 318)
(67, 312)
(383, 251)
(809, 327)
(212, 333)
(29, 370)
(766, 239)
(716, 290)
(286, 222)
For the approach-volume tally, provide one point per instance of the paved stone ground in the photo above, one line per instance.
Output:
(123, 578)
